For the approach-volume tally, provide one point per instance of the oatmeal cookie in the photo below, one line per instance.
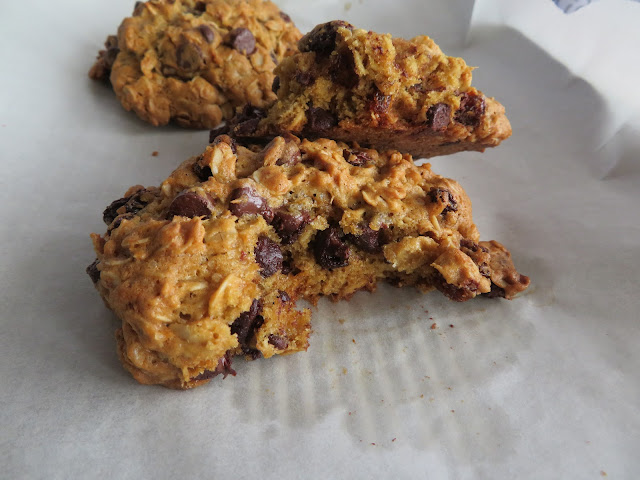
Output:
(209, 265)
(193, 61)
(386, 93)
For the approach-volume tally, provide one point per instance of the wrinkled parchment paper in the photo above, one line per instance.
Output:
(545, 386)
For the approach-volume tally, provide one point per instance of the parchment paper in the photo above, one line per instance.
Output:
(545, 386)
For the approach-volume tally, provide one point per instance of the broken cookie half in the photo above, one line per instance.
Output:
(386, 93)
(209, 264)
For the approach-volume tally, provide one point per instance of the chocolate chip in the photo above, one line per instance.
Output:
(285, 17)
(223, 368)
(268, 256)
(200, 7)
(189, 204)
(320, 120)
(304, 78)
(379, 103)
(471, 109)
(357, 158)
(322, 39)
(343, 70)
(458, 294)
(246, 122)
(247, 323)
(93, 272)
(369, 240)
(246, 201)
(289, 226)
(242, 40)
(189, 57)
(284, 296)
(496, 292)
(275, 86)
(288, 266)
(438, 116)
(330, 250)
(441, 195)
(207, 32)
(222, 130)
(278, 341)
(132, 204)
(202, 172)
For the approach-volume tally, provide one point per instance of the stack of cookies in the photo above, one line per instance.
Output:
(308, 189)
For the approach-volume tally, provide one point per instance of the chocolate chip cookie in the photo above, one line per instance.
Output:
(209, 264)
(383, 92)
(194, 62)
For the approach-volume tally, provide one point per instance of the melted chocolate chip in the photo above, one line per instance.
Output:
(202, 172)
(343, 70)
(289, 226)
(132, 204)
(278, 341)
(246, 122)
(441, 195)
(471, 109)
(189, 57)
(330, 250)
(246, 201)
(216, 132)
(189, 204)
(458, 294)
(438, 116)
(496, 292)
(223, 368)
(369, 240)
(247, 323)
(207, 32)
(357, 158)
(268, 256)
(93, 272)
(275, 86)
(322, 39)
(320, 120)
(304, 78)
(242, 40)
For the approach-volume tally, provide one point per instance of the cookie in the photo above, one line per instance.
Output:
(382, 92)
(195, 62)
(209, 264)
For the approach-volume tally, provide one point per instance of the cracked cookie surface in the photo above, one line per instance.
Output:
(351, 84)
(194, 62)
(209, 264)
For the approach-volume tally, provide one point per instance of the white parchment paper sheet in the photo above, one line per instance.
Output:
(545, 386)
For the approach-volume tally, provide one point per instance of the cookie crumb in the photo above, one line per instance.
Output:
(155, 154)
(451, 326)
(434, 326)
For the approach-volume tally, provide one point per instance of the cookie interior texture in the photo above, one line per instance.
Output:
(387, 93)
(195, 62)
(209, 264)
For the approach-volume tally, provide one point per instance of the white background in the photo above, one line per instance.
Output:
(545, 386)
